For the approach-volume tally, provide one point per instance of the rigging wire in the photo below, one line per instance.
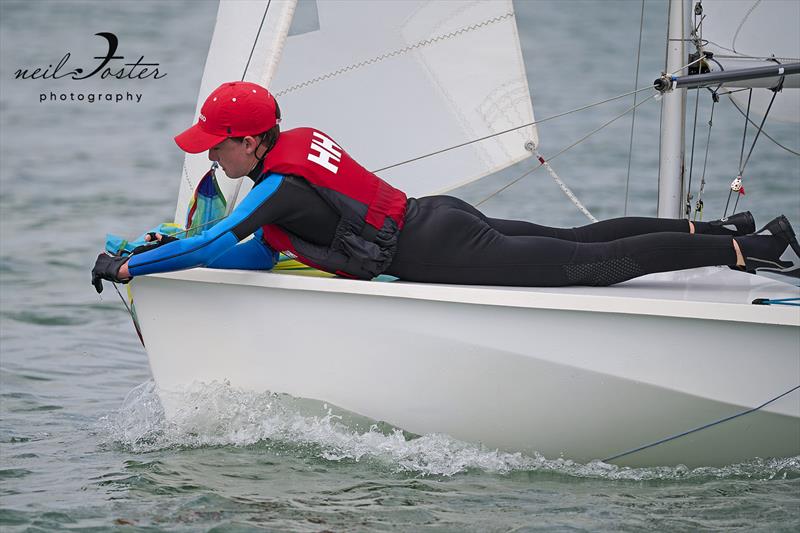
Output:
(737, 182)
(744, 135)
(739, 109)
(515, 128)
(699, 26)
(753, 144)
(698, 209)
(127, 307)
(130, 312)
(238, 187)
(210, 222)
(758, 131)
(691, 156)
(541, 164)
(697, 39)
(729, 92)
(255, 41)
(633, 115)
(745, 56)
(733, 91)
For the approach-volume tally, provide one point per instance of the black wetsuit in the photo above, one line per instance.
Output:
(446, 240)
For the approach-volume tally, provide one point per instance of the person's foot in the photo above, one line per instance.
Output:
(738, 224)
(773, 248)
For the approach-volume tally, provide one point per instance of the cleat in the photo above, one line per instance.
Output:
(740, 223)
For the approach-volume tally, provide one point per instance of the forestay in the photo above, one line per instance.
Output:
(238, 31)
(388, 80)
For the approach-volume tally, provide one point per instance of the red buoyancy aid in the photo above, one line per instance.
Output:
(371, 210)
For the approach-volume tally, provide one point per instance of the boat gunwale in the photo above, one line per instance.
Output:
(565, 299)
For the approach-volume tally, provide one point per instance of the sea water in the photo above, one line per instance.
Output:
(84, 444)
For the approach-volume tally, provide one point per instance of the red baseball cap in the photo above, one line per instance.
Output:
(234, 109)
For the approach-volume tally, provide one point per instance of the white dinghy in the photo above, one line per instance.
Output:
(583, 373)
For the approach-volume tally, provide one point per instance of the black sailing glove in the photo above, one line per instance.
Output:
(154, 243)
(107, 268)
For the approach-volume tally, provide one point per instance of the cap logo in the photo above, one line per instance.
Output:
(202, 117)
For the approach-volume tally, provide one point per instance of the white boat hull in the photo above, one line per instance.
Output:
(580, 373)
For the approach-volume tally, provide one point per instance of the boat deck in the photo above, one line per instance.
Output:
(715, 293)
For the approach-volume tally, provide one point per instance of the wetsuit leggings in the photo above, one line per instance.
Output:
(446, 240)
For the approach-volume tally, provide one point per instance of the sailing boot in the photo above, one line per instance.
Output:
(773, 248)
(735, 225)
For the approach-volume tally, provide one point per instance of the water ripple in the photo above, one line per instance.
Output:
(220, 415)
(13, 473)
(43, 317)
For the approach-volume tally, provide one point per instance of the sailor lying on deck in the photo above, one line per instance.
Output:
(311, 200)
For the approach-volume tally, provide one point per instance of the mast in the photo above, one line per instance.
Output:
(673, 105)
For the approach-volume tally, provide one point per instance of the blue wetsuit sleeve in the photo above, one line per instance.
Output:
(254, 254)
(203, 249)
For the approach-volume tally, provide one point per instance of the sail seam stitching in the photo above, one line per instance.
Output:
(400, 51)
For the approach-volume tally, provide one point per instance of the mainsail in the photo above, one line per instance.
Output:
(755, 33)
(390, 81)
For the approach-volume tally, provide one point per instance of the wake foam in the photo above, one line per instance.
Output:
(220, 415)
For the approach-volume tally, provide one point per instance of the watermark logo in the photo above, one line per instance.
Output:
(109, 65)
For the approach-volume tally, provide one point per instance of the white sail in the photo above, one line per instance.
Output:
(416, 76)
(747, 34)
(238, 32)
